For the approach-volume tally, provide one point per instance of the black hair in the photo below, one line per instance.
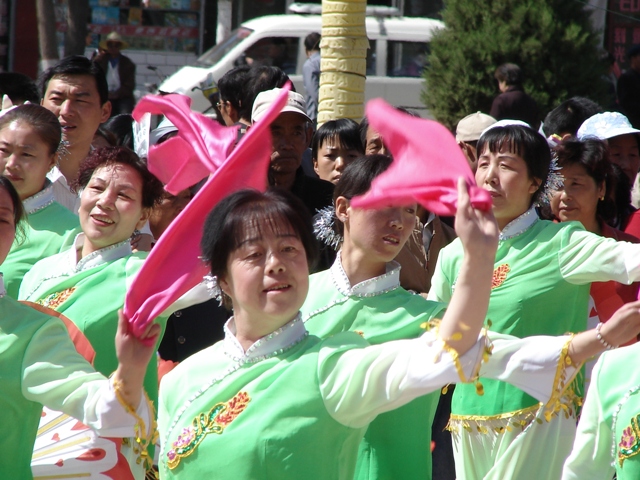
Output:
(152, 188)
(593, 156)
(364, 124)
(622, 197)
(107, 135)
(19, 88)
(633, 51)
(121, 126)
(524, 142)
(76, 65)
(569, 115)
(225, 227)
(344, 130)
(312, 42)
(40, 119)
(19, 215)
(357, 177)
(260, 79)
(510, 73)
(231, 85)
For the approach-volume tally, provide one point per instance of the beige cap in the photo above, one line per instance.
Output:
(471, 126)
(295, 103)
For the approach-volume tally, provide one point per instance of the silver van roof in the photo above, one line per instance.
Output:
(372, 10)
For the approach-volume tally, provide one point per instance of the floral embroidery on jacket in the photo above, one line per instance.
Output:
(218, 418)
(629, 443)
(500, 275)
(54, 300)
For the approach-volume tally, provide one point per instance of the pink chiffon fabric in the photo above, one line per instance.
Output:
(200, 147)
(173, 266)
(427, 163)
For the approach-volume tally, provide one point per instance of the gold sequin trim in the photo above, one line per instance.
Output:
(54, 300)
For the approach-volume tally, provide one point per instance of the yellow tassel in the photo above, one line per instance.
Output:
(479, 388)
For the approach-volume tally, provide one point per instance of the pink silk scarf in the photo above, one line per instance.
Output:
(173, 267)
(427, 163)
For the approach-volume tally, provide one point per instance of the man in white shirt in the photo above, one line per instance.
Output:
(76, 91)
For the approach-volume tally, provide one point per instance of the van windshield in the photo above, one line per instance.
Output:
(213, 55)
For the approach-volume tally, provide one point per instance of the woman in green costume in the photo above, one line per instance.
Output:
(542, 275)
(272, 401)
(39, 365)
(88, 281)
(608, 436)
(29, 140)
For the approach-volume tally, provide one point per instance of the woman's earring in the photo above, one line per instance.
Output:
(213, 287)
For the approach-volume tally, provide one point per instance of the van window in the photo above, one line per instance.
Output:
(406, 59)
(273, 51)
(213, 55)
(371, 58)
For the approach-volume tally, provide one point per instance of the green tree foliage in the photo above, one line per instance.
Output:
(552, 41)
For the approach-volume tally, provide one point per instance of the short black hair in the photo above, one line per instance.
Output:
(44, 123)
(19, 88)
(364, 124)
(633, 51)
(593, 155)
(19, 214)
(569, 115)
(357, 177)
(76, 65)
(152, 189)
(524, 142)
(231, 85)
(121, 126)
(510, 73)
(260, 79)
(312, 42)
(226, 225)
(345, 130)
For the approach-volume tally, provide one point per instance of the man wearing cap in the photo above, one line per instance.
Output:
(468, 132)
(629, 87)
(291, 135)
(120, 71)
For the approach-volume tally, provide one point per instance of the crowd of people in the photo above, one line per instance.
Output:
(329, 340)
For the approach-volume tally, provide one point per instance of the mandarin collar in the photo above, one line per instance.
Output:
(3, 291)
(40, 200)
(97, 258)
(367, 288)
(270, 345)
(520, 224)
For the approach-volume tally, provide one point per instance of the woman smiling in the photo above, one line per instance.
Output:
(29, 140)
(88, 281)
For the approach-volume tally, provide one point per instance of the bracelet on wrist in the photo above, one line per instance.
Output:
(601, 339)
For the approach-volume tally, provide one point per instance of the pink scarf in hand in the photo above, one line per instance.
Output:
(427, 163)
(173, 267)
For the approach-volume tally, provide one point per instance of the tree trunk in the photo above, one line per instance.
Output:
(223, 28)
(343, 66)
(75, 38)
(47, 34)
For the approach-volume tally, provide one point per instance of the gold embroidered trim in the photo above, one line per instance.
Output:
(564, 397)
(215, 421)
(563, 400)
(483, 424)
(434, 324)
(629, 445)
(142, 438)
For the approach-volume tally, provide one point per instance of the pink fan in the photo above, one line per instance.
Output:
(427, 163)
(173, 266)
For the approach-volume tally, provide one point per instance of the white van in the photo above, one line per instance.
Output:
(398, 47)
